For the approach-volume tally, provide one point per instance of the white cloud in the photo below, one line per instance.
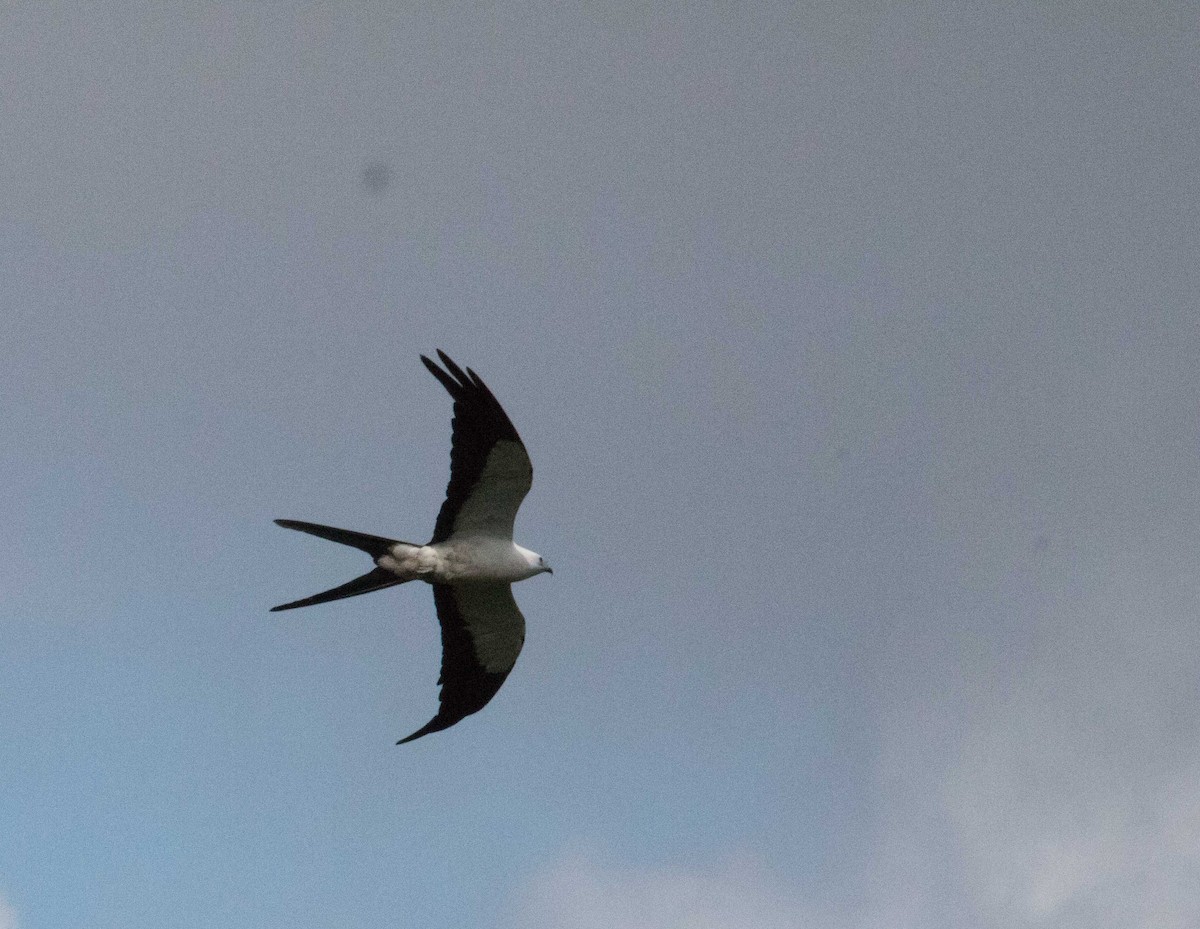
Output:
(8, 919)
(1068, 791)
(1090, 850)
(1055, 783)
(577, 893)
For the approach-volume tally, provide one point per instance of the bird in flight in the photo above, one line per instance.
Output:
(471, 561)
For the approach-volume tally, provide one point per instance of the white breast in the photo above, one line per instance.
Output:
(472, 560)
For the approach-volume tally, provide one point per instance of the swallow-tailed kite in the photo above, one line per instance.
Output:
(471, 561)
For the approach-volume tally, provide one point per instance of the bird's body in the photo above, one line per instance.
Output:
(462, 561)
(471, 561)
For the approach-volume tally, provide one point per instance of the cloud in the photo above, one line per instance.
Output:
(578, 893)
(8, 919)
(1049, 779)
(1058, 784)
(1101, 858)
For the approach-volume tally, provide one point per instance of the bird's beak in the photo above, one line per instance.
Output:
(549, 570)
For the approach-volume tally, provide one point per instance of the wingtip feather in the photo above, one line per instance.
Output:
(478, 381)
(454, 369)
(423, 731)
(453, 387)
(437, 724)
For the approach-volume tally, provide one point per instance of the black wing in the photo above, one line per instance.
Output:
(490, 471)
(482, 635)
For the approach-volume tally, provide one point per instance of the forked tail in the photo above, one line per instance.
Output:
(373, 545)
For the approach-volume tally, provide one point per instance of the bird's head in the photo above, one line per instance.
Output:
(535, 561)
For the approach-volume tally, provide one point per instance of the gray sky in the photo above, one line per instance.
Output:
(856, 351)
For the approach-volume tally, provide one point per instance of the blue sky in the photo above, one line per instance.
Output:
(856, 354)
